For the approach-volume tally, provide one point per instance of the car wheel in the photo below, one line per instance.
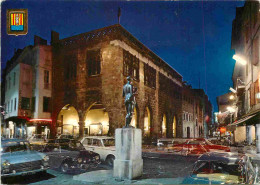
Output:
(110, 160)
(64, 167)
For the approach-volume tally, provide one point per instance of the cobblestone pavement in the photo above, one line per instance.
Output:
(167, 166)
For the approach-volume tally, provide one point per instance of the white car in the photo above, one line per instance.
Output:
(103, 145)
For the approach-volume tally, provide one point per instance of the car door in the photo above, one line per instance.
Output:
(98, 148)
(87, 143)
(53, 152)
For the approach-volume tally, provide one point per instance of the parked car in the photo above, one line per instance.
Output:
(168, 142)
(65, 136)
(103, 145)
(37, 141)
(17, 158)
(223, 168)
(198, 146)
(69, 155)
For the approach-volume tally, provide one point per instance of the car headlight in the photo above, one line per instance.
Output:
(79, 160)
(46, 158)
(6, 164)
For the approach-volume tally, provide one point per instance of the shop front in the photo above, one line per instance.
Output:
(38, 126)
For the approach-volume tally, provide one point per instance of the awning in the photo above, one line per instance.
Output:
(243, 120)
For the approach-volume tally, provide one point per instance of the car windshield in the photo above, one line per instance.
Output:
(210, 167)
(14, 146)
(76, 145)
(109, 142)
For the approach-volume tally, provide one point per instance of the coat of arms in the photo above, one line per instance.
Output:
(17, 22)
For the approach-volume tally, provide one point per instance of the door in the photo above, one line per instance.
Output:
(188, 132)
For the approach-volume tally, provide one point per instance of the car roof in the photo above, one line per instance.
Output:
(5, 141)
(225, 157)
(98, 137)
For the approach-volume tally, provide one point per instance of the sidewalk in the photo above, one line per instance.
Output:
(106, 177)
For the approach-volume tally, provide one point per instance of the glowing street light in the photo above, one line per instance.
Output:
(232, 90)
(231, 97)
(231, 109)
(239, 59)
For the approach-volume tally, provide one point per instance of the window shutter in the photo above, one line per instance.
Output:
(255, 51)
(252, 97)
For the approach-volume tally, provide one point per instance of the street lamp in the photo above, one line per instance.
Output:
(231, 109)
(239, 59)
(232, 90)
(231, 97)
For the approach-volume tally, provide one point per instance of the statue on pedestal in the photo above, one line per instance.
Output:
(128, 92)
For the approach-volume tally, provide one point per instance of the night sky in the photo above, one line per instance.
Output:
(193, 37)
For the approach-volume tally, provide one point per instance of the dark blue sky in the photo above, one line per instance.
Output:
(173, 30)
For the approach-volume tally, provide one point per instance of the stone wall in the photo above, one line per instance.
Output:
(106, 89)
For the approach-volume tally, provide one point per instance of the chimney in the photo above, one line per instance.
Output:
(55, 37)
(39, 41)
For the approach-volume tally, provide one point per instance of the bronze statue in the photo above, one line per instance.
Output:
(128, 92)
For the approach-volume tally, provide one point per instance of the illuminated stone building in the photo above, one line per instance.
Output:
(89, 71)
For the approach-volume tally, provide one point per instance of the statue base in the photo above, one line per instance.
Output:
(128, 163)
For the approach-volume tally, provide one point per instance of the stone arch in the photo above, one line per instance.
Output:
(164, 125)
(174, 126)
(147, 121)
(135, 117)
(67, 120)
(96, 120)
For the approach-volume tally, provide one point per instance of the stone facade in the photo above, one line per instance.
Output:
(105, 88)
(188, 115)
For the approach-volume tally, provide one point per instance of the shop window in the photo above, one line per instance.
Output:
(25, 103)
(131, 65)
(93, 62)
(149, 76)
(46, 104)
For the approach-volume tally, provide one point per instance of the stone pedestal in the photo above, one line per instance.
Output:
(257, 136)
(249, 134)
(128, 163)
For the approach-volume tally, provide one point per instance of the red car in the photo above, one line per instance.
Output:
(198, 146)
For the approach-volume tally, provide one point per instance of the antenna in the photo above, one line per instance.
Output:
(119, 14)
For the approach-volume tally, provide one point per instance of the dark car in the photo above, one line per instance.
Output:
(70, 155)
(199, 146)
(223, 168)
